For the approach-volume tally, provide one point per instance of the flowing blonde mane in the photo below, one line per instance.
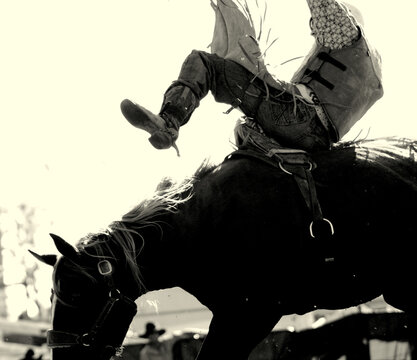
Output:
(123, 235)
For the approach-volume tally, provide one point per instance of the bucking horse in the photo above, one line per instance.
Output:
(252, 240)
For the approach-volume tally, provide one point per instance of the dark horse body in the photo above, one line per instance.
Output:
(238, 240)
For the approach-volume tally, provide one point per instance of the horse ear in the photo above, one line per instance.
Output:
(46, 259)
(64, 248)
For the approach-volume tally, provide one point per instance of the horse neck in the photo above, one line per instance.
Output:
(155, 245)
(154, 226)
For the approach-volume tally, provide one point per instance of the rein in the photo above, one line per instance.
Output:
(114, 318)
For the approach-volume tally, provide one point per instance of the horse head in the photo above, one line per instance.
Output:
(92, 307)
(96, 282)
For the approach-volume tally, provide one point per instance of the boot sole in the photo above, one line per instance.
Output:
(138, 116)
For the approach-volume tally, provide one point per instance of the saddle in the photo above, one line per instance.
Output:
(252, 142)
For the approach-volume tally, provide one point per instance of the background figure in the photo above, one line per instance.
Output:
(30, 355)
(154, 349)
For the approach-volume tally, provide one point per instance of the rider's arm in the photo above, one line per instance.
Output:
(332, 24)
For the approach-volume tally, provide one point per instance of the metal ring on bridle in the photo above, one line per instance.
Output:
(326, 220)
(115, 294)
(83, 340)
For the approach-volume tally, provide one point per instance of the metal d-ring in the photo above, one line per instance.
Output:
(326, 220)
(281, 165)
(283, 169)
(115, 294)
(84, 338)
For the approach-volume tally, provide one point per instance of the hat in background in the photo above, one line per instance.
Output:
(151, 329)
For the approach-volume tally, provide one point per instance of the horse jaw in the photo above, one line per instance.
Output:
(46, 259)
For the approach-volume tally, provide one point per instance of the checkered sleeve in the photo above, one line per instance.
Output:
(332, 24)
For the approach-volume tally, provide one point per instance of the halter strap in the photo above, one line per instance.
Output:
(117, 303)
(62, 339)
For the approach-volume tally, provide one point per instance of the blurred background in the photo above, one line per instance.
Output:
(70, 163)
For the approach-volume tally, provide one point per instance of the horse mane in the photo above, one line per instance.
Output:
(397, 148)
(123, 235)
(395, 155)
(167, 197)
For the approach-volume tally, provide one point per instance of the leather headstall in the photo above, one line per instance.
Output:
(108, 331)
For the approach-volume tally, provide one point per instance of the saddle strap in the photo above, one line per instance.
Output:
(299, 165)
(304, 180)
(296, 164)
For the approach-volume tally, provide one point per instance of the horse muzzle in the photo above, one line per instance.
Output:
(105, 337)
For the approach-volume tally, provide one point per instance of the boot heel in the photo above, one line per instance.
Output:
(161, 139)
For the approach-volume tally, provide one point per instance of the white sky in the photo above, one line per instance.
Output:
(66, 65)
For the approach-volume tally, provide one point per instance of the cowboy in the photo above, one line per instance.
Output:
(336, 85)
(30, 355)
(154, 349)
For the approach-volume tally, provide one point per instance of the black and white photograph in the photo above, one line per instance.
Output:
(208, 179)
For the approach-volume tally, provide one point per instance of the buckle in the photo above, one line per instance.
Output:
(105, 268)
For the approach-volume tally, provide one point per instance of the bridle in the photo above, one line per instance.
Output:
(114, 318)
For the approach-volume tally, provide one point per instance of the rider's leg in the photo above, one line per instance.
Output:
(232, 84)
(201, 72)
(196, 78)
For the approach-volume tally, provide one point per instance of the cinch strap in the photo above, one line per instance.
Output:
(298, 164)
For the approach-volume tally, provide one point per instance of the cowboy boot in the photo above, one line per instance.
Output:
(163, 132)
(178, 105)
